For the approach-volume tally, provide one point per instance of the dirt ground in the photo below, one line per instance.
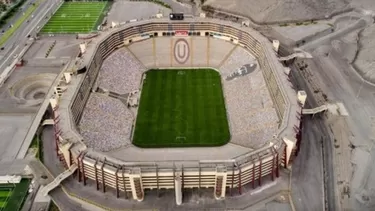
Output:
(271, 11)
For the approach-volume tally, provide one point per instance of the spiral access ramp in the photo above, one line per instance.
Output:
(31, 90)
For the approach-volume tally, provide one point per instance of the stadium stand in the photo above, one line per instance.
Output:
(199, 58)
(121, 72)
(163, 47)
(144, 52)
(217, 49)
(204, 51)
(252, 117)
(106, 123)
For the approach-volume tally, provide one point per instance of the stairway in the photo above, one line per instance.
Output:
(315, 110)
(218, 186)
(301, 54)
(56, 182)
(138, 188)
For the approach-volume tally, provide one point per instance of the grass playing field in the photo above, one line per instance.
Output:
(76, 17)
(181, 108)
(12, 196)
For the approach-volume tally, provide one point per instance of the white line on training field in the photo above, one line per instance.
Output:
(100, 14)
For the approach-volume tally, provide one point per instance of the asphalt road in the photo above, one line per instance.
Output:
(54, 166)
(343, 85)
(16, 43)
(327, 150)
(63, 202)
(18, 14)
(307, 170)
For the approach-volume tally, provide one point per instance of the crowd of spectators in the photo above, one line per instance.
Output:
(121, 72)
(106, 123)
(252, 118)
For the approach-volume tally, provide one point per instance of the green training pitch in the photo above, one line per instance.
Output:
(13, 195)
(76, 17)
(181, 108)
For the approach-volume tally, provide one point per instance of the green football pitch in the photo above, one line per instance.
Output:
(181, 108)
(12, 196)
(76, 17)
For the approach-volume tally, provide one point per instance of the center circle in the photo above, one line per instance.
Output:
(181, 51)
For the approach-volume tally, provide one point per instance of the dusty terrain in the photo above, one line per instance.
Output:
(272, 11)
(341, 40)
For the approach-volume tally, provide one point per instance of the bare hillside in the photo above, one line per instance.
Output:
(270, 11)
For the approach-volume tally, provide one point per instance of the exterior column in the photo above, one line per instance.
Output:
(136, 184)
(299, 136)
(178, 187)
(232, 180)
(239, 180)
(253, 173)
(96, 175)
(220, 182)
(117, 190)
(182, 177)
(273, 164)
(288, 150)
(157, 181)
(285, 158)
(277, 164)
(79, 167)
(103, 180)
(174, 175)
(199, 183)
(70, 158)
(57, 132)
(124, 181)
(83, 170)
(260, 171)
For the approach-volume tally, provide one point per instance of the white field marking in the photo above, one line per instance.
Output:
(41, 17)
(98, 16)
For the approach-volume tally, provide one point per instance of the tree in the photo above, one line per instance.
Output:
(3, 7)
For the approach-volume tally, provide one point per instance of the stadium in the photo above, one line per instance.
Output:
(155, 104)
